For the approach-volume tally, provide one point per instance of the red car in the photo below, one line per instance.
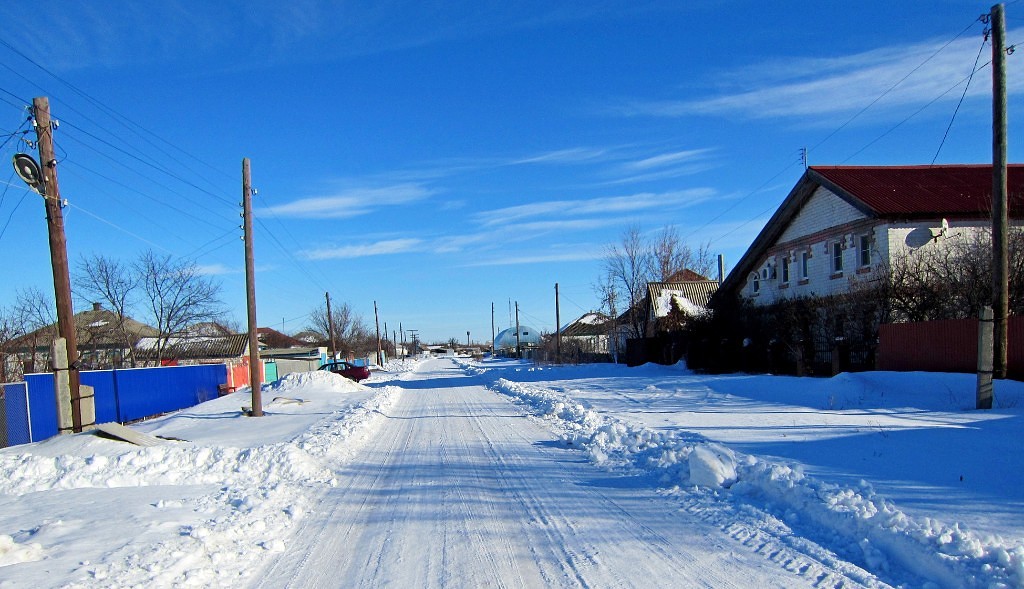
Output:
(348, 370)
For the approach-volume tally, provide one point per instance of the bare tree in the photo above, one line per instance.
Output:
(350, 332)
(627, 264)
(33, 311)
(9, 332)
(950, 282)
(176, 296)
(101, 279)
(669, 255)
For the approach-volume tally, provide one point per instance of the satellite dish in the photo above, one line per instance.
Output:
(28, 170)
(945, 226)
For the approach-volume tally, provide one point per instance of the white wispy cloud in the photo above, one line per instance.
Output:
(216, 270)
(379, 248)
(614, 206)
(844, 84)
(666, 159)
(352, 202)
(572, 155)
(582, 254)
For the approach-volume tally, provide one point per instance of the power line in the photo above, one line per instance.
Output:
(119, 228)
(893, 87)
(974, 69)
(912, 115)
(151, 165)
(116, 116)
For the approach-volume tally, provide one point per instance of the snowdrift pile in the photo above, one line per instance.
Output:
(867, 528)
(232, 496)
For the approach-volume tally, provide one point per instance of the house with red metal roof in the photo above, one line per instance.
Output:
(841, 225)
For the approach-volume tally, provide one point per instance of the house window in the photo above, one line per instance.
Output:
(864, 251)
(785, 269)
(805, 263)
(837, 257)
(756, 284)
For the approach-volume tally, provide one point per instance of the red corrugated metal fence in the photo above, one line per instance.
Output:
(949, 345)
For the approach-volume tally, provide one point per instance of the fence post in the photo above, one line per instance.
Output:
(62, 385)
(986, 341)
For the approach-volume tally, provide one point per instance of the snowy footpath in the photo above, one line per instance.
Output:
(459, 474)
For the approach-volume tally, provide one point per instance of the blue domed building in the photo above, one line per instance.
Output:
(505, 341)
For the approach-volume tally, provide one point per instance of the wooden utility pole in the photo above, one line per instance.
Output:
(330, 326)
(492, 330)
(255, 366)
(376, 321)
(58, 251)
(519, 348)
(1000, 215)
(558, 330)
(401, 335)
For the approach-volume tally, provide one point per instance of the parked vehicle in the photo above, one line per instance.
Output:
(348, 370)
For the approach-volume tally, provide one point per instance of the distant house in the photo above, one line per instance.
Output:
(590, 333)
(271, 338)
(196, 349)
(104, 340)
(841, 224)
(671, 304)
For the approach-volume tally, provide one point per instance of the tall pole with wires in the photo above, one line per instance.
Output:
(255, 366)
(1000, 220)
(330, 327)
(58, 251)
(558, 329)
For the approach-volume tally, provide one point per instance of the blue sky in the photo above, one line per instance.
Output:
(440, 157)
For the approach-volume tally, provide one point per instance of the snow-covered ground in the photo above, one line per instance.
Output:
(889, 470)
(425, 478)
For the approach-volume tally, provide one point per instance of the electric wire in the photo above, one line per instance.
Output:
(116, 116)
(119, 228)
(912, 115)
(158, 167)
(840, 128)
(901, 80)
(25, 193)
(203, 220)
(974, 69)
(152, 165)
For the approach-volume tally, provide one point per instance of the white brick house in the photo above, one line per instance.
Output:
(840, 225)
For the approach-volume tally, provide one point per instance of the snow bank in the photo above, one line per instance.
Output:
(230, 505)
(856, 521)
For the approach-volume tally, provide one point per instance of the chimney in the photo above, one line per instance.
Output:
(97, 306)
(721, 268)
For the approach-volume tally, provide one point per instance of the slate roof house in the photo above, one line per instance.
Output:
(104, 340)
(590, 333)
(840, 224)
(691, 297)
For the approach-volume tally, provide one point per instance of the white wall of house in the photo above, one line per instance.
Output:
(885, 241)
(809, 246)
(823, 211)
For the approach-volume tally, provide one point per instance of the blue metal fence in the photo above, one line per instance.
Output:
(17, 429)
(121, 395)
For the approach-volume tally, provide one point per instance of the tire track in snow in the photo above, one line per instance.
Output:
(462, 489)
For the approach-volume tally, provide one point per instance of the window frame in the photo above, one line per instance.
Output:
(864, 250)
(837, 257)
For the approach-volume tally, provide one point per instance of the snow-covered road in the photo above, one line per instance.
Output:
(461, 489)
